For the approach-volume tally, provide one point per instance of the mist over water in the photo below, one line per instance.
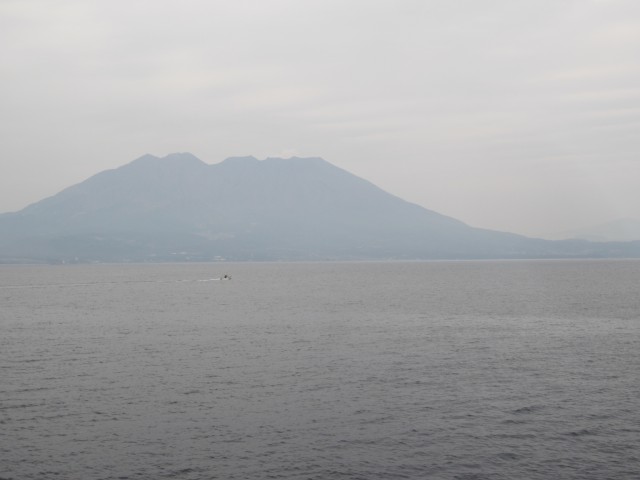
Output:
(465, 370)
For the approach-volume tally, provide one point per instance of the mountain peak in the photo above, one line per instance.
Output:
(182, 157)
(145, 159)
(177, 158)
(251, 160)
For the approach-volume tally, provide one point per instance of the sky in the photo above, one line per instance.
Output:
(513, 115)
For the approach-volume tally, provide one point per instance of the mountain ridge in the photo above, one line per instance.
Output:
(178, 208)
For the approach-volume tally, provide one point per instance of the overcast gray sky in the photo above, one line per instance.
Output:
(516, 115)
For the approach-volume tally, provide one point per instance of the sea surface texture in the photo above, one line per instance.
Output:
(435, 370)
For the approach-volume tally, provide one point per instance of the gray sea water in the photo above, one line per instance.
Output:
(442, 370)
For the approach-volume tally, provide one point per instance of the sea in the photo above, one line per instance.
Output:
(386, 370)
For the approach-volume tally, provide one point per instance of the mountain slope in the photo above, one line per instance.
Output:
(620, 230)
(179, 208)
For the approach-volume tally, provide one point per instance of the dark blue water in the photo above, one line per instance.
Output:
(443, 370)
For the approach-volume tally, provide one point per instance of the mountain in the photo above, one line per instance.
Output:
(178, 208)
(621, 230)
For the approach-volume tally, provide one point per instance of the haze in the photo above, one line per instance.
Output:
(520, 116)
